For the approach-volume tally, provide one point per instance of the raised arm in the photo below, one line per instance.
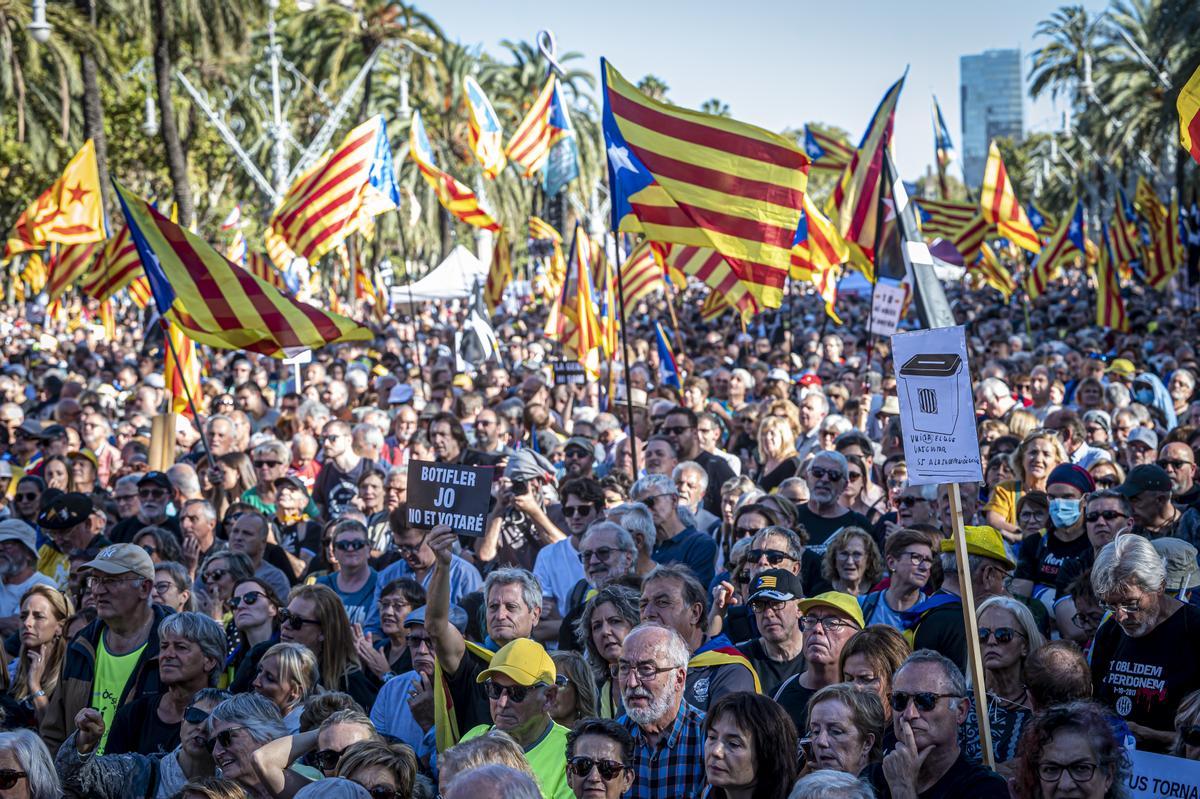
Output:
(448, 644)
(271, 761)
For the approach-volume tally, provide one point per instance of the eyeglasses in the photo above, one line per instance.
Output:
(9, 778)
(1128, 608)
(599, 553)
(32, 495)
(609, 769)
(267, 464)
(396, 605)
(765, 605)
(411, 549)
(831, 624)
(108, 583)
(214, 575)
(330, 438)
(164, 587)
(516, 693)
(194, 715)
(676, 429)
(578, 510)
(1086, 621)
(773, 556)
(353, 545)
(1174, 464)
(325, 759)
(647, 670)
(832, 475)
(1003, 635)
(150, 549)
(415, 641)
(924, 700)
(150, 493)
(294, 621)
(382, 792)
(1107, 482)
(1082, 771)
(224, 738)
(250, 597)
(917, 559)
(224, 403)
(854, 476)
(1106, 515)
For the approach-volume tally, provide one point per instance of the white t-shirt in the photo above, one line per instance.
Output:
(559, 569)
(11, 593)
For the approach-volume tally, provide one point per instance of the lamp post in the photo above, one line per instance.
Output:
(39, 28)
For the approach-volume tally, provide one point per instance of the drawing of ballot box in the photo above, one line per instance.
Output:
(930, 380)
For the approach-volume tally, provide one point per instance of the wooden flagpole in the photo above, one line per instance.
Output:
(971, 624)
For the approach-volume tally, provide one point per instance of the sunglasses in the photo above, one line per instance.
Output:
(516, 693)
(26, 497)
(577, 510)
(1003, 635)
(854, 476)
(150, 549)
(1106, 515)
(194, 715)
(214, 575)
(676, 430)
(599, 553)
(224, 738)
(152, 492)
(267, 464)
(250, 597)
(326, 759)
(9, 778)
(908, 502)
(382, 792)
(294, 621)
(1190, 736)
(352, 545)
(832, 475)
(924, 700)
(773, 556)
(609, 769)
(1174, 464)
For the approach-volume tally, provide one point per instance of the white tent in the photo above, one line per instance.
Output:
(454, 279)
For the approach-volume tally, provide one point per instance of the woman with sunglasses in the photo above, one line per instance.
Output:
(1007, 636)
(322, 749)
(607, 618)
(173, 587)
(287, 675)
(132, 774)
(27, 500)
(1108, 474)
(191, 651)
(238, 728)
(749, 748)
(219, 573)
(386, 770)
(161, 545)
(255, 609)
(315, 617)
(35, 672)
(576, 695)
(1069, 752)
(600, 755)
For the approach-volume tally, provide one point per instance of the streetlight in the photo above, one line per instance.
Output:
(39, 28)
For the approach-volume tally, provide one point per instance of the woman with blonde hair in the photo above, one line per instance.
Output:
(379, 767)
(34, 674)
(852, 563)
(576, 696)
(776, 452)
(1008, 635)
(1021, 422)
(287, 675)
(1036, 456)
(316, 618)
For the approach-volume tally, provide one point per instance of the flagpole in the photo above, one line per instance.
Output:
(412, 313)
(667, 293)
(166, 329)
(625, 356)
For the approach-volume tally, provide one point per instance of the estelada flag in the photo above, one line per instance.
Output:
(454, 196)
(1188, 105)
(483, 130)
(69, 212)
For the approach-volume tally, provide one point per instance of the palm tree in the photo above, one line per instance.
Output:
(654, 87)
(1066, 63)
(716, 107)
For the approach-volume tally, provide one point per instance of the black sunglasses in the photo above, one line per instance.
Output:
(294, 621)
(224, 738)
(516, 693)
(1106, 515)
(1003, 635)
(577, 510)
(267, 464)
(325, 759)
(609, 769)
(924, 700)
(908, 502)
(352, 545)
(250, 597)
(27, 497)
(832, 475)
(774, 556)
(214, 575)
(194, 715)
(9, 778)
(383, 792)
(1190, 736)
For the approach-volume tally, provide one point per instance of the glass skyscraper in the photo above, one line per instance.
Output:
(992, 95)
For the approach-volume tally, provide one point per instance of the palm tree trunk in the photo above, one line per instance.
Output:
(93, 108)
(176, 161)
(19, 88)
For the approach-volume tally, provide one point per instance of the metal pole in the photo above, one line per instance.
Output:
(625, 357)
(278, 123)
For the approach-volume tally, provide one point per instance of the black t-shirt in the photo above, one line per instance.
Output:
(137, 728)
(1041, 557)
(771, 673)
(335, 490)
(793, 698)
(941, 630)
(470, 702)
(1144, 679)
(821, 529)
(962, 779)
(125, 531)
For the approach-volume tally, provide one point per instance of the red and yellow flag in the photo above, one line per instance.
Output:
(1165, 253)
(116, 267)
(1067, 244)
(1110, 308)
(1001, 206)
(139, 292)
(483, 130)
(714, 271)
(995, 274)
(69, 212)
(68, 263)
(500, 274)
(1188, 105)
(537, 133)
(454, 196)
(578, 328)
(819, 250)
(182, 377)
(641, 274)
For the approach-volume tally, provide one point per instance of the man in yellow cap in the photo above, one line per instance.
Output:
(828, 621)
(520, 685)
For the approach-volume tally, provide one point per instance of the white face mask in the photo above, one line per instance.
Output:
(1064, 512)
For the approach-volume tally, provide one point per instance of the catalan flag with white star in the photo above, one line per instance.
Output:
(545, 126)
(578, 330)
(1001, 206)
(943, 147)
(705, 181)
(826, 151)
(819, 250)
(454, 196)
(1066, 245)
(484, 135)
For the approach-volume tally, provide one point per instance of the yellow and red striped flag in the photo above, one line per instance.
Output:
(1001, 206)
(34, 274)
(541, 230)
(182, 377)
(117, 265)
(218, 303)
(277, 250)
(995, 274)
(454, 196)
(714, 305)
(1188, 105)
(1110, 308)
(969, 240)
(641, 274)
(854, 205)
(1148, 204)
(1165, 253)
(944, 218)
(1124, 232)
(69, 212)
(705, 181)
(608, 313)
(261, 267)
(544, 125)
(826, 152)
(714, 271)
(68, 263)
(1066, 244)
(108, 319)
(1042, 220)
(578, 328)
(326, 202)
(483, 130)
(500, 274)
(139, 292)
(819, 250)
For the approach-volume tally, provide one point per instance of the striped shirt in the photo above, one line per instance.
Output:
(674, 767)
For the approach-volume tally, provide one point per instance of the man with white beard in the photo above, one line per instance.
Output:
(668, 733)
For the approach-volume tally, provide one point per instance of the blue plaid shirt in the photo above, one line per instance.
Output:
(675, 766)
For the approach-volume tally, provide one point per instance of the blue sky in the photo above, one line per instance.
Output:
(781, 64)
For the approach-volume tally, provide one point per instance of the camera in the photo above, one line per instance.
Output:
(520, 488)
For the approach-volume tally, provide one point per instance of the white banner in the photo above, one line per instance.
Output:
(1154, 776)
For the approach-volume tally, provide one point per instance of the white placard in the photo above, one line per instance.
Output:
(887, 303)
(937, 409)
(1154, 775)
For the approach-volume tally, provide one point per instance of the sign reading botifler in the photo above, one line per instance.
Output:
(937, 409)
(450, 494)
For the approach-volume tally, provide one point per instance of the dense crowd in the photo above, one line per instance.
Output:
(730, 589)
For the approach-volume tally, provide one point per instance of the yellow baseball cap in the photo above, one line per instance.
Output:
(985, 541)
(837, 600)
(524, 661)
(1122, 366)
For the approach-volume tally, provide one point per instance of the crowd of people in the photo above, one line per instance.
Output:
(727, 590)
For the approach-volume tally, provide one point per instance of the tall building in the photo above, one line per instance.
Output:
(992, 94)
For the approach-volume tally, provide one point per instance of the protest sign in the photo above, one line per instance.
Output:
(937, 409)
(569, 373)
(450, 494)
(1154, 775)
(887, 302)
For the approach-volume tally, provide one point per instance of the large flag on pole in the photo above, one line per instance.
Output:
(220, 304)
(500, 274)
(1065, 245)
(483, 130)
(68, 264)
(944, 218)
(943, 148)
(1124, 232)
(69, 212)
(545, 125)
(1165, 253)
(854, 205)
(1188, 105)
(1110, 308)
(454, 196)
(705, 181)
(825, 151)
(819, 250)
(1001, 206)
(182, 378)
(578, 328)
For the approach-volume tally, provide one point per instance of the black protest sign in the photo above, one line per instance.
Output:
(450, 494)
(568, 373)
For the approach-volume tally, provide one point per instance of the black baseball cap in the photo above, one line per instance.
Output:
(291, 481)
(1147, 477)
(65, 511)
(778, 584)
(155, 478)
